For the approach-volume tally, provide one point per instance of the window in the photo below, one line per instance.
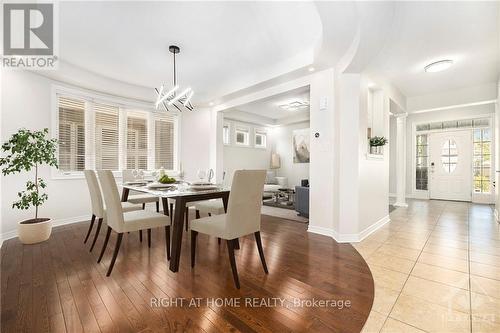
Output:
(106, 137)
(164, 142)
(225, 134)
(71, 116)
(449, 156)
(137, 142)
(242, 136)
(260, 139)
(482, 160)
(421, 163)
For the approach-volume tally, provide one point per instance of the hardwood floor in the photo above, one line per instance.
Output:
(57, 286)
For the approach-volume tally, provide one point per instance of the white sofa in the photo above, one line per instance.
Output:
(273, 183)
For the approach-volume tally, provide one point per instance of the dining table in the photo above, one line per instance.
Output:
(182, 193)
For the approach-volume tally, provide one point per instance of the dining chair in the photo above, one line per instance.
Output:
(98, 208)
(242, 217)
(131, 221)
(210, 207)
(128, 176)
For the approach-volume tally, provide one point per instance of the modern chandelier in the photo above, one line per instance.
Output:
(171, 98)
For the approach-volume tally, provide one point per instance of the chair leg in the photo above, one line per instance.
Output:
(90, 228)
(236, 244)
(158, 206)
(108, 233)
(99, 223)
(187, 217)
(232, 260)
(194, 234)
(143, 205)
(115, 253)
(149, 237)
(171, 213)
(218, 240)
(167, 240)
(140, 236)
(197, 213)
(261, 251)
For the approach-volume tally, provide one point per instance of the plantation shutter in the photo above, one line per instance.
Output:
(71, 134)
(164, 142)
(106, 137)
(137, 142)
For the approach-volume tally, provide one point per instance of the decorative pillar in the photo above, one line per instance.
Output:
(401, 160)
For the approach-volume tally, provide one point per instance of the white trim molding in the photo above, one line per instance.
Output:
(55, 223)
(350, 238)
(497, 217)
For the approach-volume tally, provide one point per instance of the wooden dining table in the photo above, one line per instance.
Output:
(182, 194)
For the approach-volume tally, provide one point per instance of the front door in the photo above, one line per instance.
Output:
(451, 165)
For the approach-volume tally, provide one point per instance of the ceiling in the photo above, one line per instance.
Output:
(224, 46)
(229, 47)
(270, 107)
(424, 32)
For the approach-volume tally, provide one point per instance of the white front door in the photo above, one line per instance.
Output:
(451, 165)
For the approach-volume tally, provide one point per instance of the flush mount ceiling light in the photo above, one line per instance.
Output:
(171, 98)
(438, 66)
(295, 105)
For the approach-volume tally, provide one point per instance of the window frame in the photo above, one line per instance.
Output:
(228, 126)
(246, 132)
(125, 105)
(262, 133)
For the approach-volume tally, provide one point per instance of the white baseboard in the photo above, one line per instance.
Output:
(349, 238)
(374, 227)
(55, 223)
(400, 204)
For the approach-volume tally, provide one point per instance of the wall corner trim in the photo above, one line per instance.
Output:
(350, 238)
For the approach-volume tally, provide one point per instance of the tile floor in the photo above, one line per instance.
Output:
(436, 267)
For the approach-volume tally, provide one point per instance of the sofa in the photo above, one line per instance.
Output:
(273, 183)
(302, 200)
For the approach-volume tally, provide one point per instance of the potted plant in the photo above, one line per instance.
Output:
(376, 144)
(27, 150)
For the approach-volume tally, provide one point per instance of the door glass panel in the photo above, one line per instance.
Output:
(449, 157)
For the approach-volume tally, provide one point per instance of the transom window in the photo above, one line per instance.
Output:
(449, 155)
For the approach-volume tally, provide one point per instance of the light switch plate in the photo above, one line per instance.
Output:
(323, 103)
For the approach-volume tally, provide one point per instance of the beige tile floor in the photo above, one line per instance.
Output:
(436, 267)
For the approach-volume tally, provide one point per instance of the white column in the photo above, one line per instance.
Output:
(401, 161)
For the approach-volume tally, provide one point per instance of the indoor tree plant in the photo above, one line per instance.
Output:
(376, 143)
(24, 151)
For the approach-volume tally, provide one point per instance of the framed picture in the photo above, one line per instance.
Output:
(301, 146)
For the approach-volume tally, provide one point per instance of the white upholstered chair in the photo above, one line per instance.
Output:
(135, 198)
(242, 218)
(131, 221)
(98, 208)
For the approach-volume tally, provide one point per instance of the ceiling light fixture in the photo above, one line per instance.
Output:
(311, 69)
(295, 105)
(170, 97)
(438, 66)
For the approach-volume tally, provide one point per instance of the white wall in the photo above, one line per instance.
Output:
(195, 140)
(245, 157)
(26, 102)
(282, 139)
(392, 155)
(442, 115)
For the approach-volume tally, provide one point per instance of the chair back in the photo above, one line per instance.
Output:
(127, 175)
(245, 203)
(95, 193)
(114, 212)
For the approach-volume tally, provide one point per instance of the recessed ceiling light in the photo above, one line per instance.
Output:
(311, 69)
(438, 66)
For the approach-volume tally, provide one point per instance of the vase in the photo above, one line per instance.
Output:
(376, 150)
